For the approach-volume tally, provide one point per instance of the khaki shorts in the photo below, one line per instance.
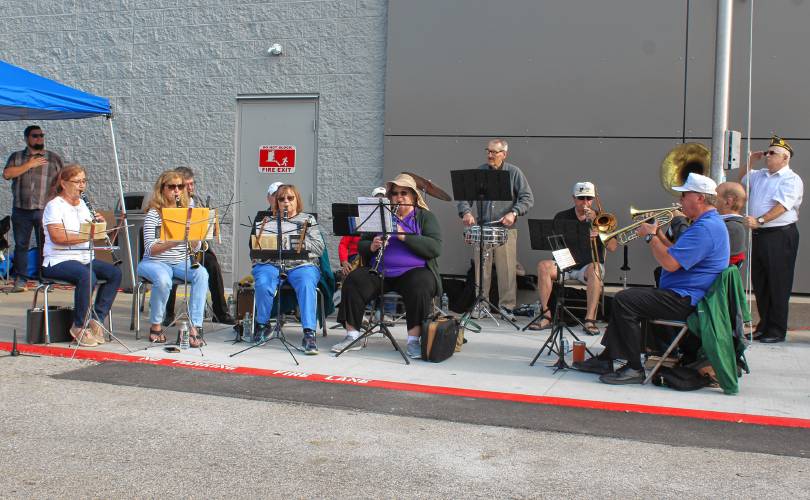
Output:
(579, 274)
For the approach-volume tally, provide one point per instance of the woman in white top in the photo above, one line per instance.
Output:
(163, 260)
(66, 254)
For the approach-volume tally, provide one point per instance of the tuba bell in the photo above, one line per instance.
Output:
(691, 157)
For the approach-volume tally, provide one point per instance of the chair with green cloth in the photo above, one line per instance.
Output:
(717, 320)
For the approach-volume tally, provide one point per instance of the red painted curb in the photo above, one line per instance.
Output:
(102, 356)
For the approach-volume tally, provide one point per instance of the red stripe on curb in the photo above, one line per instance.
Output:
(102, 356)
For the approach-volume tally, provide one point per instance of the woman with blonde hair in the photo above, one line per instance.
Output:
(164, 260)
(66, 255)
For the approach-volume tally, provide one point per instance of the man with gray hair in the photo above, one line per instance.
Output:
(505, 213)
(691, 265)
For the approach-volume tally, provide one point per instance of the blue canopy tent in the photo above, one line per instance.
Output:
(26, 96)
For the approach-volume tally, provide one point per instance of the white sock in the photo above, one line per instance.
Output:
(413, 339)
(353, 333)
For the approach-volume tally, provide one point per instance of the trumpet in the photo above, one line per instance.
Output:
(627, 234)
(638, 214)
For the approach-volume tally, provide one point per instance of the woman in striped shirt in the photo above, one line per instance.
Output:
(163, 260)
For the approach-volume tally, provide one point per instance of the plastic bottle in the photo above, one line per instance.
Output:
(231, 306)
(535, 308)
(247, 327)
(184, 334)
(445, 303)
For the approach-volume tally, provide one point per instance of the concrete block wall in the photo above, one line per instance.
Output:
(173, 69)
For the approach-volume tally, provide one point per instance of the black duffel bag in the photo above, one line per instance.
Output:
(439, 337)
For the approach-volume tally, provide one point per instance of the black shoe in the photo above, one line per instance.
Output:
(757, 335)
(167, 320)
(259, 333)
(623, 376)
(771, 339)
(595, 365)
(226, 319)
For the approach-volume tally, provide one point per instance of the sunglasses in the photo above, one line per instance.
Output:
(399, 193)
(37, 136)
(586, 198)
(770, 153)
(172, 187)
(286, 198)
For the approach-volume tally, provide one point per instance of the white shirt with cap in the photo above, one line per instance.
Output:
(783, 186)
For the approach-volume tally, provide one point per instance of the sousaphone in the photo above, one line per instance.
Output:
(683, 160)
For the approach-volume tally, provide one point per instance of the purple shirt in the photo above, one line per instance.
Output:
(398, 258)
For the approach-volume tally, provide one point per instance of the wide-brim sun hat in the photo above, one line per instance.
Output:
(405, 180)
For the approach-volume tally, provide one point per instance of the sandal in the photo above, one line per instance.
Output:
(589, 327)
(539, 326)
(195, 338)
(157, 336)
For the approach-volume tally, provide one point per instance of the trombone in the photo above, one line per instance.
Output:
(603, 223)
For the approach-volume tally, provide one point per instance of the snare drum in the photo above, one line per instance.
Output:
(493, 236)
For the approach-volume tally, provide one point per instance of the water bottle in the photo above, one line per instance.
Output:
(445, 303)
(184, 334)
(247, 327)
(535, 309)
(231, 306)
(564, 346)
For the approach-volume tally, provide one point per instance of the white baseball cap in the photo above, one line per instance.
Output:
(272, 188)
(378, 191)
(697, 183)
(584, 189)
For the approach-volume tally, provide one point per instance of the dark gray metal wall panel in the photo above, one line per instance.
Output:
(780, 62)
(626, 172)
(523, 67)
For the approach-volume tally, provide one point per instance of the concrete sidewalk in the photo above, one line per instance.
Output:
(496, 360)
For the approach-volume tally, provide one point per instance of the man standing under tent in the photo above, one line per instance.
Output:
(30, 171)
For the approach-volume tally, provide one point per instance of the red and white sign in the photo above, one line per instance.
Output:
(277, 159)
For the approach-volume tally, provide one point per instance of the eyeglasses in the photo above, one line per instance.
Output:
(585, 198)
(771, 153)
(493, 152)
(399, 193)
(79, 181)
(286, 198)
(172, 187)
(37, 136)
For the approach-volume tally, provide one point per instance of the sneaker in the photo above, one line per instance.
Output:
(507, 314)
(623, 376)
(19, 286)
(308, 343)
(414, 350)
(345, 343)
(83, 337)
(595, 365)
(98, 332)
(259, 333)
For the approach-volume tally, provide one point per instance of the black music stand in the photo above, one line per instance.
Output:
(482, 186)
(552, 235)
(344, 224)
(280, 256)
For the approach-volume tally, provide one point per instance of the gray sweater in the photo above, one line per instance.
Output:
(522, 197)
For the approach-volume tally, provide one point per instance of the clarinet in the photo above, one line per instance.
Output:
(189, 251)
(376, 268)
(94, 214)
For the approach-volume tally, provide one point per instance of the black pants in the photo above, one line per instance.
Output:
(216, 286)
(417, 287)
(773, 259)
(623, 337)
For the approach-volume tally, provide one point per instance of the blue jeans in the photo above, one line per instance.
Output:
(77, 273)
(23, 221)
(304, 279)
(160, 274)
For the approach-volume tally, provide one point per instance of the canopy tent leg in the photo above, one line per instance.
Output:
(122, 203)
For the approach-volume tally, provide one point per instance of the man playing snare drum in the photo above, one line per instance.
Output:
(584, 271)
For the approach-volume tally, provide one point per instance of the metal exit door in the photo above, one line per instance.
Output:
(265, 128)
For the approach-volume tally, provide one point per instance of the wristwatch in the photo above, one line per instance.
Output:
(517, 214)
(760, 220)
(649, 238)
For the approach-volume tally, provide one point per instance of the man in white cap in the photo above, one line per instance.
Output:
(584, 271)
(271, 193)
(690, 267)
(775, 197)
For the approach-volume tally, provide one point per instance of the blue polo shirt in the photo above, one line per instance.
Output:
(703, 252)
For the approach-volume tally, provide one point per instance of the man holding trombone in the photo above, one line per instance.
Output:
(690, 266)
(590, 258)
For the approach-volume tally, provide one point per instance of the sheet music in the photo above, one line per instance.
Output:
(368, 219)
(563, 258)
(289, 233)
